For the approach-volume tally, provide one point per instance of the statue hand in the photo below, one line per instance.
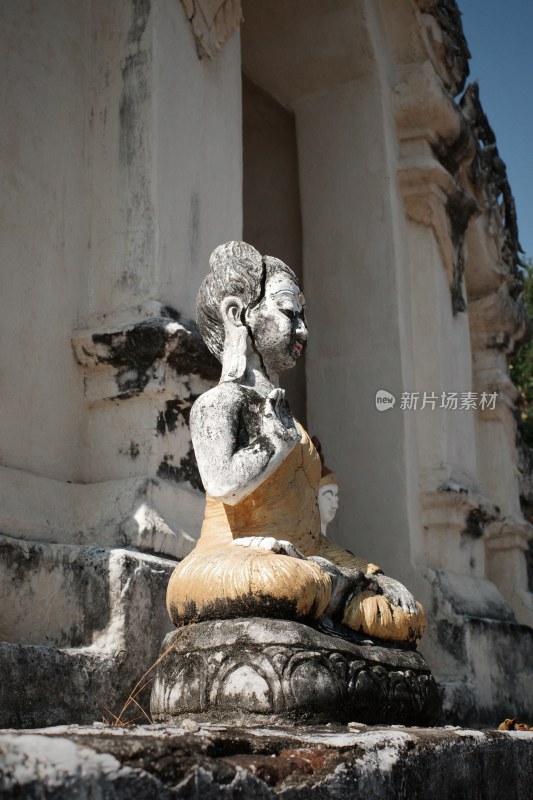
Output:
(396, 593)
(271, 544)
(277, 419)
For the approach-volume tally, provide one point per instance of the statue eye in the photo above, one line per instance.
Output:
(288, 313)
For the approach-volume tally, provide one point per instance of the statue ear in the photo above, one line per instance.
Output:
(235, 339)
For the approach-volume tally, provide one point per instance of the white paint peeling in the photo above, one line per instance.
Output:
(32, 758)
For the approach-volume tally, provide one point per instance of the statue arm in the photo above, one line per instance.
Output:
(230, 473)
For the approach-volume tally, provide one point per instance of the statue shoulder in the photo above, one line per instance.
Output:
(226, 399)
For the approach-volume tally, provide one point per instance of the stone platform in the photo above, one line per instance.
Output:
(207, 762)
(255, 669)
(79, 625)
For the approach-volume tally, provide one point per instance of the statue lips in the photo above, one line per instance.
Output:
(296, 349)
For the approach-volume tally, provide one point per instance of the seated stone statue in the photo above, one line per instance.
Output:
(261, 551)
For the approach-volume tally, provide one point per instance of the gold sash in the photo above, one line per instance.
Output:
(283, 506)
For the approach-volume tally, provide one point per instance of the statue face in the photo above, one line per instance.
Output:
(278, 324)
(328, 502)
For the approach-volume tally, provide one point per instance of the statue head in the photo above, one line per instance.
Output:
(328, 499)
(250, 302)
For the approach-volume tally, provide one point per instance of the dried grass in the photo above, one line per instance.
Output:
(122, 720)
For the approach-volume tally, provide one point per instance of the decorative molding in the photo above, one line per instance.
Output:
(510, 533)
(422, 107)
(146, 350)
(151, 362)
(488, 177)
(212, 23)
(497, 320)
(435, 142)
(433, 198)
(507, 550)
(454, 507)
(442, 33)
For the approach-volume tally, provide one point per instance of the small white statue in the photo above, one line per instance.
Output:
(377, 613)
(328, 503)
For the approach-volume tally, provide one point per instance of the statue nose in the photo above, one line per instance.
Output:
(301, 330)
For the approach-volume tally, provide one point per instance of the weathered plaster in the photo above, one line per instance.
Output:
(212, 23)
(45, 228)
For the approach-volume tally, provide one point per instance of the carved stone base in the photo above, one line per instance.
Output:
(249, 670)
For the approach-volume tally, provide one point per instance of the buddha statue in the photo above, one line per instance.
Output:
(261, 552)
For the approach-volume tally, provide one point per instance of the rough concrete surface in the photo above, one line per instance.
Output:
(214, 761)
(80, 625)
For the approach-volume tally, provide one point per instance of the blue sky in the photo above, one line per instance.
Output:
(500, 38)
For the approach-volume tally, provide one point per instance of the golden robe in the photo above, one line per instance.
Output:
(221, 580)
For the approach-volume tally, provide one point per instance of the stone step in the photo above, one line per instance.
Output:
(210, 761)
(79, 626)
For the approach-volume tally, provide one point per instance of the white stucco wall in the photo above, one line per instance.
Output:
(167, 189)
(167, 170)
(355, 348)
(123, 160)
(198, 154)
(45, 218)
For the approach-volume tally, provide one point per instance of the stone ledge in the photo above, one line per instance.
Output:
(111, 603)
(67, 596)
(55, 685)
(212, 761)
(150, 513)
